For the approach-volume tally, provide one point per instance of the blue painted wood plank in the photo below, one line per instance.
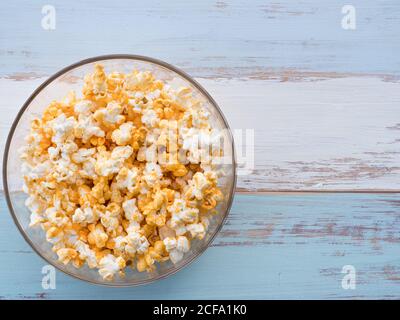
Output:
(272, 246)
(206, 38)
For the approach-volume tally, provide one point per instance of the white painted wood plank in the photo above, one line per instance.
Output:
(311, 133)
(207, 38)
(338, 134)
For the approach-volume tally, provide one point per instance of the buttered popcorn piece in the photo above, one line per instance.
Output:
(122, 175)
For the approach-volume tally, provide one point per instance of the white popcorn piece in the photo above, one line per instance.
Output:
(88, 128)
(56, 217)
(197, 185)
(63, 128)
(98, 236)
(152, 173)
(181, 213)
(35, 219)
(148, 154)
(121, 152)
(111, 114)
(170, 243)
(89, 169)
(84, 215)
(38, 171)
(133, 226)
(123, 134)
(120, 243)
(65, 170)
(111, 164)
(182, 244)
(84, 107)
(150, 118)
(176, 248)
(127, 179)
(83, 155)
(110, 220)
(136, 80)
(85, 253)
(132, 213)
(70, 237)
(136, 243)
(197, 230)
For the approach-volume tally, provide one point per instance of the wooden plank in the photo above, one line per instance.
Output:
(207, 38)
(277, 246)
(325, 132)
(265, 58)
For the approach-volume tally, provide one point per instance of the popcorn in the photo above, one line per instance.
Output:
(95, 86)
(123, 134)
(127, 179)
(56, 217)
(97, 236)
(85, 253)
(111, 114)
(136, 243)
(132, 213)
(84, 107)
(108, 164)
(110, 265)
(152, 173)
(181, 213)
(197, 185)
(35, 219)
(87, 128)
(122, 175)
(54, 235)
(197, 230)
(83, 155)
(62, 128)
(176, 247)
(89, 169)
(65, 255)
(150, 118)
(85, 215)
(38, 171)
(110, 220)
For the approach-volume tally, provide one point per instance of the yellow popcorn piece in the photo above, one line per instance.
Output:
(97, 236)
(95, 86)
(65, 255)
(178, 170)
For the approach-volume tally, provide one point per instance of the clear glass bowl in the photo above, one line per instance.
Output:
(56, 88)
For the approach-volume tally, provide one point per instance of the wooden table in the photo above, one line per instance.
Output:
(324, 103)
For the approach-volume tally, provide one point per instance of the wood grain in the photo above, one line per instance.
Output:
(326, 133)
(207, 38)
(273, 246)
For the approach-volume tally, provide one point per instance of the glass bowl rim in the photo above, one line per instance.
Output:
(75, 65)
